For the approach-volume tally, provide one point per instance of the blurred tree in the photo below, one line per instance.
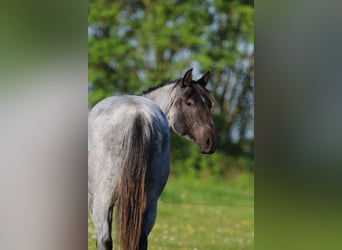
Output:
(134, 45)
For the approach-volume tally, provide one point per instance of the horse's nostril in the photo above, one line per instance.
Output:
(209, 142)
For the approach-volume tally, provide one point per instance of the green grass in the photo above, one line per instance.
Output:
(202, 214)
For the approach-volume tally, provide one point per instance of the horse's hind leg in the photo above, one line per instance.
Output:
(147, 224)
(102, 218)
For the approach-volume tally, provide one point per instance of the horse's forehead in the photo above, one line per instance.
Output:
(197, 95)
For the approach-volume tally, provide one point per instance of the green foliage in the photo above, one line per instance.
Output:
(238, 189)
(187, 161)
(134, 45)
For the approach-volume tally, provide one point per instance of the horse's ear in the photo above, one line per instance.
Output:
(187, 78)
(204, 79)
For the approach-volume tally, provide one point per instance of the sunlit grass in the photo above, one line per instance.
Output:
(203, 227)
(202, 214)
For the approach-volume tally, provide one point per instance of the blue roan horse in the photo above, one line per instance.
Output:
(129, 154)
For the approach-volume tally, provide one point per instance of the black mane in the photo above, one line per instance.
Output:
(202, 91)
(159, 86)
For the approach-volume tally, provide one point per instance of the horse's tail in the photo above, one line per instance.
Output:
(130, 197)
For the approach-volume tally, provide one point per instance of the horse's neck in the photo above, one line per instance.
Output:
(162, 97)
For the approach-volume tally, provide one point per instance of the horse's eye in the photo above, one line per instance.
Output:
(209, 104)
(189, 103)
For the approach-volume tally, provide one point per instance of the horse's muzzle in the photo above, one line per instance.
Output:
(210, 145)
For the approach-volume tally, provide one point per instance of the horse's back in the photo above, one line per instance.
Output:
(111, 116)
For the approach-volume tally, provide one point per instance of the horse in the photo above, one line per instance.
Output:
(129, 154)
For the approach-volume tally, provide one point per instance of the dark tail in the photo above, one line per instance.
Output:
(130, 198)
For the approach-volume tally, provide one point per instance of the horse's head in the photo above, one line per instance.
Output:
(190, 114)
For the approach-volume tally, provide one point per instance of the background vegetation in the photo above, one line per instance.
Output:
(134, 45)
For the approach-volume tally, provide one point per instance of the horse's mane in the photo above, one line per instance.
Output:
(159, 86)
(198, 88)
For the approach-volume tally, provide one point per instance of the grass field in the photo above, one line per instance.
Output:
(202, 214)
